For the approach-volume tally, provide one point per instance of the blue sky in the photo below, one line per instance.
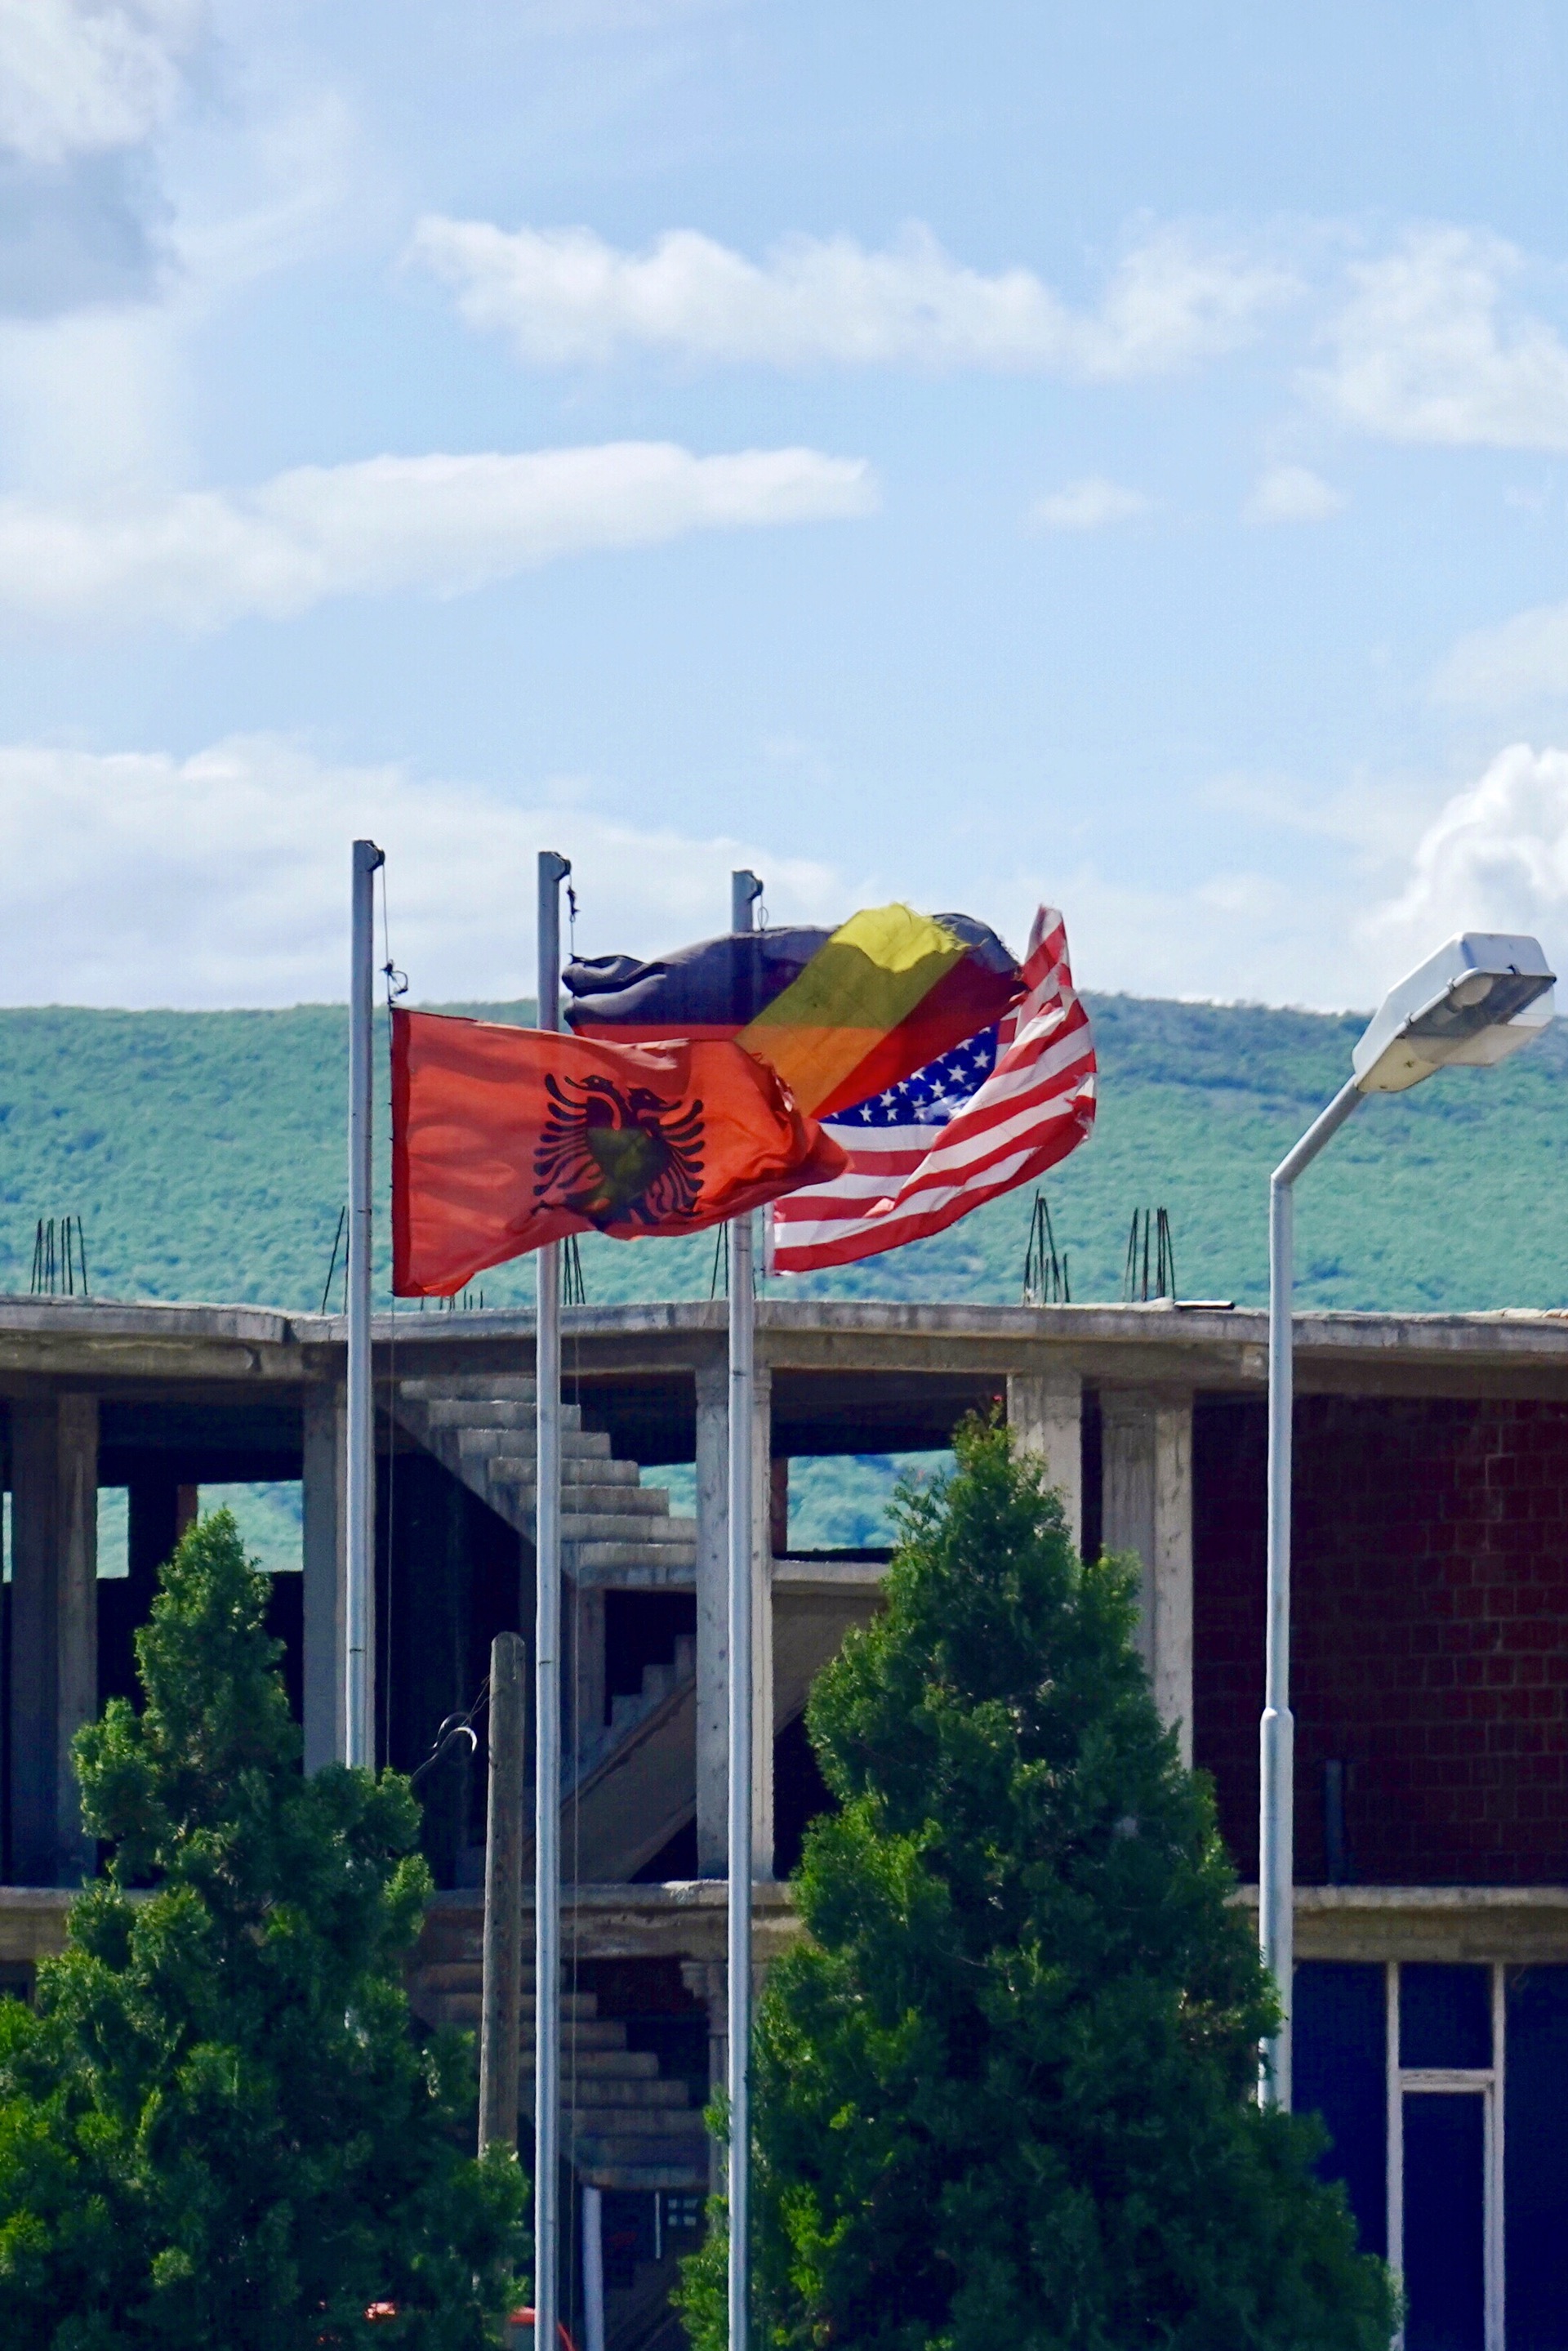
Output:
(1118, 456)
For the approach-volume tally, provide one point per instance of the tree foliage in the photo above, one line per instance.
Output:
(1003, 2091)
(216, 2130)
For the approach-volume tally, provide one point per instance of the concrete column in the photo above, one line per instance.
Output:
(712, 1618)
(712, 1623)
(54, 1631)
(762, 1628)
(1147, 1456)
(1046, 1414)
(709, 1982)
(325, 1571)
(585, 1618)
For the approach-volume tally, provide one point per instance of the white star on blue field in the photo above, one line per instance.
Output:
(933, 1095)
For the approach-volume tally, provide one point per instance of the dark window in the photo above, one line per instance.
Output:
(641, 1629)
(799, 1793)
(1445, 2205)
(1445, 2016)
(1535, 2159)
(628, 2234)
(1340, 2047)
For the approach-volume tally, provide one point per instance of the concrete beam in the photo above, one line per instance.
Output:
(103, 1344)
(1525, 1926)
(1147, 1510)
(1046, 1414)
(53, 1631)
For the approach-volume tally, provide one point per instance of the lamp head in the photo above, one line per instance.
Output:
(1476, 1002)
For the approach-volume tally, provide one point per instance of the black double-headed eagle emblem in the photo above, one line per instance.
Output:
(617, 1156)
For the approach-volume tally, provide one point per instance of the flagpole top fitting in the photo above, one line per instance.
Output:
(553, 868)
(745, 889)
(367, 857)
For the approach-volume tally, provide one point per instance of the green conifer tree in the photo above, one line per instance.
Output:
(1003, 2092)
(216, 2131)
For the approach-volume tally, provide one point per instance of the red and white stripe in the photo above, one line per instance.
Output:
(905, 1183)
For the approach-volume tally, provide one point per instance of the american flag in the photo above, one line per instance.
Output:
(999, 1110)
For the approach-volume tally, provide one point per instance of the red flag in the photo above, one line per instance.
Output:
(506, 1138)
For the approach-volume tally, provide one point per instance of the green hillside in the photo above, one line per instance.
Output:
(204, 1153)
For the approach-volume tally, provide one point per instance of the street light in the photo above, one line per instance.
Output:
(1476, 1002)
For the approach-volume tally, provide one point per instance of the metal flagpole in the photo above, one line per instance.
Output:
(552, 872)
(744, 891)
(361, 1499)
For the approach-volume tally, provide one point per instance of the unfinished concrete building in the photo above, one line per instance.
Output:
(1431, 1670)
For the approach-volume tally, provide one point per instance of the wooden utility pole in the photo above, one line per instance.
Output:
(501, 1995)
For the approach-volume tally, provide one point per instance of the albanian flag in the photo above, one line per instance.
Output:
(506, 1138)
(839, 1014)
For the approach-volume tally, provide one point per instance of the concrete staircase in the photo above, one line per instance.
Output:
(636, 1783)
(638, 2317)
(626, 2124)
(631, 1709)
(635, 1786)
(614, 1528)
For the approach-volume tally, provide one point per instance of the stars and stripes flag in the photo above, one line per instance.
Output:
(996, 1111)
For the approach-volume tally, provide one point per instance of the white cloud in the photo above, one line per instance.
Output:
(566, 296)
(79, 79)
(443, 523)
(1292, 494)
(1379, 874)
(91, 401)
(273, 179)
(1231, 935)
(1426, 351)
(137, 879)
(1089, 505)
(120, 883)
(102, 336)
(1494, 858)
(1522, 659)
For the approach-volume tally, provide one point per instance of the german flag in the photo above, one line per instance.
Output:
(839, 1014)
(506, 1138)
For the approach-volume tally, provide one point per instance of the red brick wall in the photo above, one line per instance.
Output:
(1431, 1632)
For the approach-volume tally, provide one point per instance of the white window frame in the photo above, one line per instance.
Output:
(1486, 2081)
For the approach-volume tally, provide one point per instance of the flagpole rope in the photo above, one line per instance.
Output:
(574, 1969)
(397, 985)
(573, 1264)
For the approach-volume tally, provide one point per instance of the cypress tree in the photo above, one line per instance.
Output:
(216, 2131)
(1003, 2090)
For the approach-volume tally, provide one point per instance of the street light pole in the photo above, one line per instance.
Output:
(1476, 1002)
(1276, 1842)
